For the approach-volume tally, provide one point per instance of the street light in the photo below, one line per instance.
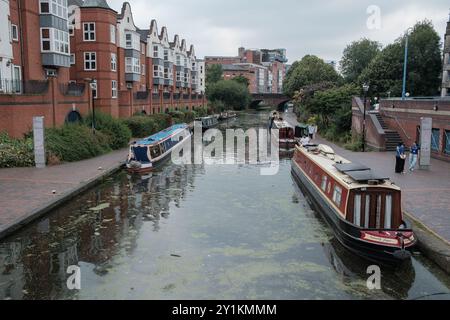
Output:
(366, 88)
(405, 64)
(93, 84)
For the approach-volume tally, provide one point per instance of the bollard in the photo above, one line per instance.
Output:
(39, 148)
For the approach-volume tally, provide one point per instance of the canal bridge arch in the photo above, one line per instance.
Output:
(274, 99)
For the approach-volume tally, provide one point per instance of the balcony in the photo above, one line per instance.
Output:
(155, 97)
(186, 97)
(141, 95)
(166, 96)
(176, 96)
(72, 89)
(31, 87)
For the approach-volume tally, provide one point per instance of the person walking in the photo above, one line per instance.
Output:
(400, 159)
(413, 156)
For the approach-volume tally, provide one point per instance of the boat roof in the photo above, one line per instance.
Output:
(161, 136)
(352, 174)
(282, 124)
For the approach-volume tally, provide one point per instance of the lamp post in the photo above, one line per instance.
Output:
(93, 84)
(366, 88)
(405, 64)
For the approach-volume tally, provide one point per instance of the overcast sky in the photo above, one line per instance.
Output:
(320, 27)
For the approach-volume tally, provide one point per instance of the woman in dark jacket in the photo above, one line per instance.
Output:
(400, 159)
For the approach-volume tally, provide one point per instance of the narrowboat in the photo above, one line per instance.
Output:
(147, 154)
(363, 208)
(286, 134)
(224, 116)
(208, 122)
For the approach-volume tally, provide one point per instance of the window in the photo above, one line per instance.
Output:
(55, 7)
(357, 210)
(132, 65)
(435, 139)
(90, 61)
(72, 58)
(128, 40)
(113, 62)
(155, 52)
(112, 32)
(324, 183)
(337, 196)
(166, 55)
(166, 73)
(54, 40)
(155, 71)
(114, 89)
(447, 142)
(89, 31)
(14, 32)
(388, 212)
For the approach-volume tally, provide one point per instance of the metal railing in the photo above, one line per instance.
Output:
(23, 87)
(155, 96)
(166, 96)
(186, 96)
(72, 89)
(141, 95)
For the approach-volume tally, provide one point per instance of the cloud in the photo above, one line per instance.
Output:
(323, 28)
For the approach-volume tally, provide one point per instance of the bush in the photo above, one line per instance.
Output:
(119, 134)
(141, 126)
(16, 152)
(75, 142)
(162, 120)
(354, 143)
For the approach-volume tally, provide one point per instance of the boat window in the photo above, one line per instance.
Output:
(357, 212)
(378, 212)
(324, 183)
(337, 195)
(388, 217)
(155, 152)
(367, 213)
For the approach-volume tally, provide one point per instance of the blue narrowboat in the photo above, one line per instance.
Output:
(147, 154)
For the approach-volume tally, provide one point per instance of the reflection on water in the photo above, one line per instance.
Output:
(197, 232)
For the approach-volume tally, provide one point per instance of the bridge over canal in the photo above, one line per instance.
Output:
(274, 99)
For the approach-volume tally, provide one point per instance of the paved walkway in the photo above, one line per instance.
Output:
(426, 194)
(26, 192)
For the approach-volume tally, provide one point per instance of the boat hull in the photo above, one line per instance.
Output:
(347, 234)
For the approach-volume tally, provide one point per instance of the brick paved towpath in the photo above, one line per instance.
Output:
(27, 193)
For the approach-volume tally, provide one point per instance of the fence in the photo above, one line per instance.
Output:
(8, 86)
(72, 89)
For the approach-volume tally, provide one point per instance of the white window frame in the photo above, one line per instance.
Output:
(90, 61)
(132, 65)
(14, 30)
(73, 59)
(57, 8)
(59, 41)
(89, 32)
(113, 33)
(114, 62)
(337, 195)
(114, 89)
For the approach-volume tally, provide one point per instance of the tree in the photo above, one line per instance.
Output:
(229, 94)
(385, 72)
(309, 71)
(357, 57)
(242, 80)
(214, 73)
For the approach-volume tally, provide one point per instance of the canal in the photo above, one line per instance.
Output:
(198, 232)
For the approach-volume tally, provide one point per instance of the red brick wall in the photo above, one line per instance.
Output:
(404, 117)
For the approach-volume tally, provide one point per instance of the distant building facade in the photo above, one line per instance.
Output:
(60, 57)
(264, 68)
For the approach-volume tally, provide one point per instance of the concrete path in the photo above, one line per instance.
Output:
(27, 193)
(426, 194)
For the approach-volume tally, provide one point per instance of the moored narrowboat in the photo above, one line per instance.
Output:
(363, 208)
(147, 154)
(224, 116)
(208, 122)
(286, 134)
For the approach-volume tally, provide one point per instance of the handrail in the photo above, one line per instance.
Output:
(399, 125)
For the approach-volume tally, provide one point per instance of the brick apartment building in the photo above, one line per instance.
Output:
(62, 58)
(265, 69)
(400, 120)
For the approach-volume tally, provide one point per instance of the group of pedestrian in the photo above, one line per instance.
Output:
(401, 158)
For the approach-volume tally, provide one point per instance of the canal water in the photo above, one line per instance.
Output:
(198, 232)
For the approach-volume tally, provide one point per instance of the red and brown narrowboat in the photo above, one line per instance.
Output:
(363, 208)
(287, 139)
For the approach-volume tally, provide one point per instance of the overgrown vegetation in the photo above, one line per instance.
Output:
(15, 152)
